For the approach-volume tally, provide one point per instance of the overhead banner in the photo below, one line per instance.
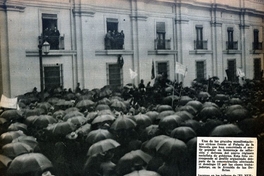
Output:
(10, 103)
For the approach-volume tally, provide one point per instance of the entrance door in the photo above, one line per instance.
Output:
(257, 69)
(52, 77)
(231, 65)
(115, 75)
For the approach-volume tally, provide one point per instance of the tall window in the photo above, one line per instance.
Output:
(257, 69)
(256, 44)
(200, 69)
(160, 30)
(199, 37)
(230, 38)
(53, 76)
(115, 75)
(231, 70)
(112, 24)
(163, 68)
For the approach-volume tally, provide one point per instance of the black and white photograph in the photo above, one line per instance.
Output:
(131, 88)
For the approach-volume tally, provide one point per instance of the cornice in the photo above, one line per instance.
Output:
(13, 6)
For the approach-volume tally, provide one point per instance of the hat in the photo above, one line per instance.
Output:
(47, 173)
(72, 135)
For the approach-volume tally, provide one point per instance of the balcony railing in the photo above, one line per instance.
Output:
(231, 45)
(161, 44)
(200, 44)
(56, 42)
(257, 45)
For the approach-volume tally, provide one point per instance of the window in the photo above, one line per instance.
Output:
(231, 44)
(112, 24)
(257, 69)
(114, 39)
(163, 68)
(53, 76)
(231, 70)
(199, 37)
(256, 44)
(160, 30)
(115, 75)
(200, 70)
(50, 32)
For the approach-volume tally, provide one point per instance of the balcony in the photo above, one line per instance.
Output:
(56, 42)
(200, 45)
(162, 44)
(114, 41)
(231, 45)
(257, 46)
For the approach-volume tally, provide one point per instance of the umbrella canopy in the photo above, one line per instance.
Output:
(237, 114)
(101, 107)
(53, 100)
(184, 100)
(29, 140)
(98, 135)
(11, 114)
(78, 120)
(129, 160)
(226, 130)
(150, 146)
(46, 106)
(123, 122)
(143, 173)
(15, 149)
(61, 128)
(185, 115)
(195, 104)
(119, 106)
(208, 103)
(103, 118)
(172, 148)
(102, 146)
(234, 101)
(149, 132)
(170, 122)
(194, 124)
(210, 112)
(29, 163)
(183, 133)
(72, 114)
(85, 104)
(33, 112)
(161, 108)
(59, 114)
(188, 109)
(4, 161)
(203, 96)
(105, 101)
(220, 98)
(63, 104)
(84, 130)
(40, 121)
(105, 92)
(8, 137)
(169, 99)
(17, 126)
(153, 115)
(142, 120)
(165, 114)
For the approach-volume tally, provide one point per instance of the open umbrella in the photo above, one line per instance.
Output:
(72, 114)
(221, 98)
(85, 104)
(4, 161)
(208, 103)
(161, 108)
(101, 107)
(150, 146)
(142, 120)
(98, 135)
(210, 112)
(15, 149)
(169, 99)
(103, 118)
(170, 122)
(11, 114)
(29, 163)
(237, 114)
(61, 128)
(119, 106)
(59, 114)
(143, 173)
(194, 124)
(29, 140)
(188, 109)
(153, 115)
(8, 137)
(78, 120)
(84, 130)
(185, 115)
(123, 122)
(63, 104)
(46, 106)
(105, 92)
(184, 100)
(149, 132)
(172, 148)
(234, 101)
(105, 101)
(129, 160)
(226, 130)
(33, 112)
(102, 146)
(17, 126)
(40, 121)
(183, 133)
(165, 114)
(195, 104)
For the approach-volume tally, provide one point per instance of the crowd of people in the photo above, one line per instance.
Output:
(51, 35)
(150, 107)
(114, 40)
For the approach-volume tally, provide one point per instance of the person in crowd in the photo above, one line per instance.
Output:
(141, 86)
(108, 39)
(55, 36)
(78, 89)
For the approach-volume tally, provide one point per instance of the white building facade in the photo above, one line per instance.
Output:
(208, 36)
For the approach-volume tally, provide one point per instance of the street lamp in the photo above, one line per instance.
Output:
(45, 47)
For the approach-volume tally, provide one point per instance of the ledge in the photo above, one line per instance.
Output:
(51, 53)
(256, 51)
(114, 52)
(232, 51)
(200, 51)
(162, 52)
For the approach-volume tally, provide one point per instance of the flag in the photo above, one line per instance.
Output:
(152, 71)
(240, 73)
(180, 69)
(132, 74)
(10, 103)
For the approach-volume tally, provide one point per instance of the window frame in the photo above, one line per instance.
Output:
(204, 68)
(60, 72)
(157, 67)
(108, 74)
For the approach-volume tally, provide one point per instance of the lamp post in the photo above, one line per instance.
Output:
(45, 47)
